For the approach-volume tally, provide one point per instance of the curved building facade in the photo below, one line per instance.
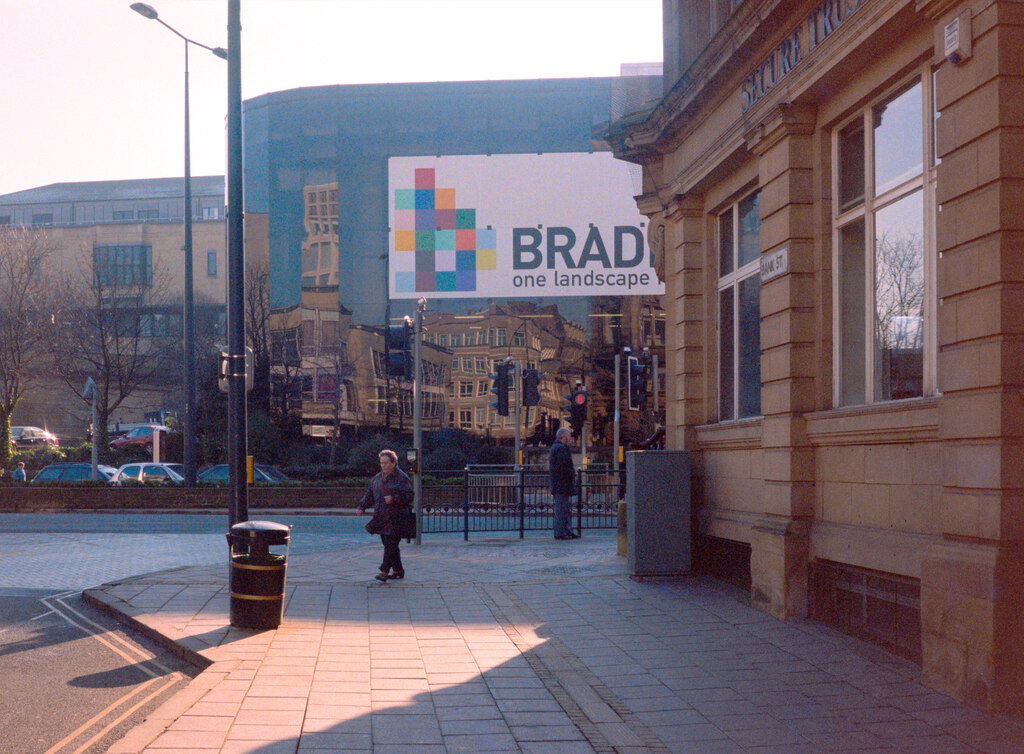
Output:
(494, 201)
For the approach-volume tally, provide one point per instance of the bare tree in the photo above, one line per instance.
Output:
(23, 252)
(114, 322)
(899, 289)
(257, 316)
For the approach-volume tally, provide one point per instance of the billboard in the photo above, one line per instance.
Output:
(516, 225)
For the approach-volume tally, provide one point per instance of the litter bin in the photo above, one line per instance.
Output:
(257, 573)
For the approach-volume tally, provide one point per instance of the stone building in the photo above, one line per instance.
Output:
(836, 189)
(134, 228)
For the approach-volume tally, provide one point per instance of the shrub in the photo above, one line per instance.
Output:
(445, 459)
(362, 459)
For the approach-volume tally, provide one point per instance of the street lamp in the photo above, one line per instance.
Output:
(188, 316)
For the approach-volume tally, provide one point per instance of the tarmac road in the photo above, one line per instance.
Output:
(73, 680)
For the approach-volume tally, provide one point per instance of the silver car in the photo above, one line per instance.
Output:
(161, 473)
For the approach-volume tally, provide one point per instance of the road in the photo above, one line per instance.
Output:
(73, 680)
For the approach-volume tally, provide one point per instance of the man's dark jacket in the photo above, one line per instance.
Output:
(563, 476)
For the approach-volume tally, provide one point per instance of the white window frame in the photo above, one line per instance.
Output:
(732, 280)
(866, 210)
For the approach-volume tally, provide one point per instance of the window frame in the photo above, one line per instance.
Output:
(866, 210)
(732, 280)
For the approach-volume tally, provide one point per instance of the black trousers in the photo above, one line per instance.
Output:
(392, 555)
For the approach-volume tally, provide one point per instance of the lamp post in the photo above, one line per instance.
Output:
(188, 314)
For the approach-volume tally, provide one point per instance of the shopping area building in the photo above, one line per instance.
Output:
(498, 202)
(838, 185)
(121, 231)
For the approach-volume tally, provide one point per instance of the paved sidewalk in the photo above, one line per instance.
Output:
(527, 645)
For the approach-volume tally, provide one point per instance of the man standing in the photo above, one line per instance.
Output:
(563, 482)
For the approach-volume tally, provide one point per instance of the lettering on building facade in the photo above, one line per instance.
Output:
(798, 44)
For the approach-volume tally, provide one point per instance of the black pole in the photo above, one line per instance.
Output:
(238, 507)
(188, 316)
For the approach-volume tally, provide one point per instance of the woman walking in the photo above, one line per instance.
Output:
(390, 494)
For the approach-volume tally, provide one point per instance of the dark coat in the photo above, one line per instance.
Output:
(563, 475)
(396, 518)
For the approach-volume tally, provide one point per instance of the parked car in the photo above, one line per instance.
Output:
(261, 473)
(72, 472)
(32, 437)
(163, 473)
(140, 436)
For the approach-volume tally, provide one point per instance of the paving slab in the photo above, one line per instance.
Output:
(525, 645)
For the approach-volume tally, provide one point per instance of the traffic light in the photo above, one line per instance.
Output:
(399, 350)
(577, 409)
(637, 383)
(502, 383)
(531, 387)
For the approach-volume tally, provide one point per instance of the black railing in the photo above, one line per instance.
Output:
(507, 499)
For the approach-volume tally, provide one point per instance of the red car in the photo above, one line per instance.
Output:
(140, 436)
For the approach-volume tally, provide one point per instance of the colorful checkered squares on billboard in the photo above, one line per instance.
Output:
(440, 247)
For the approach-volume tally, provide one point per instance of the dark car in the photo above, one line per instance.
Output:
(32, 437)
(72, 472)
(261, 473)
(141, 437)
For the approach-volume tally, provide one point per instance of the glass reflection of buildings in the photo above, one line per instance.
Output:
(317, 194)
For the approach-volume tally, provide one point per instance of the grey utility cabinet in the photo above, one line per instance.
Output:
(658, 513)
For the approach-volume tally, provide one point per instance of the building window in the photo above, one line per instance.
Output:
(42, 218)
(211, 213)
(502, 335)
(465, 418)
(465, 389)
(5, 221)
(481, 387)
(481, 366)
(211, 263)
(883, 242)
(739, 310)
(149, 214)
(123, 215)
(129, 265)
(467, 366)
(519, 338)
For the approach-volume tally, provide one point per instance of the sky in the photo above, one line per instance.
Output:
(94, 91)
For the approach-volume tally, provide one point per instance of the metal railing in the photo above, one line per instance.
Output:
(509, 499)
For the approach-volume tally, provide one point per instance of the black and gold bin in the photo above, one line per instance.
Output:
(257, 573)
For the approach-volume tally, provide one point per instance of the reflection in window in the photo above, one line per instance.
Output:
(739, 312)
(852, 306)
(749, 227)
(899, 298)
(851, 165)
(881, 261)
(898, 140)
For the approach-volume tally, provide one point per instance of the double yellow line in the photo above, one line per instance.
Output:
(159, 681)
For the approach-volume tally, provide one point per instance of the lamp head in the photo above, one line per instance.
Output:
(220, 52)
(145, 10)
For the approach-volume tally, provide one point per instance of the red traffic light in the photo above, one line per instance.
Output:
(580, 398)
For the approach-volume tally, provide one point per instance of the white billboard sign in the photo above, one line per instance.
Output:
(520, 225)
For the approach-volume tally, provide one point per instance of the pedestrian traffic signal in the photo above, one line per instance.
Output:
(637, 375)
(502, 383)
(531, 387)
(399, 350)
(577, 409)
